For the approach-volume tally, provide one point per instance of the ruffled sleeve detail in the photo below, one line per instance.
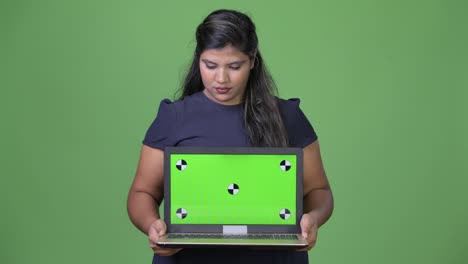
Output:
(300, 131)
(163, 131)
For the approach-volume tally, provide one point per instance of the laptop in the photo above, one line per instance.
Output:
(233, 197)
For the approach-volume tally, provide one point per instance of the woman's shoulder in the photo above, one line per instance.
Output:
(288, 106)
(300, 130)
(181, 103)
(289, 102)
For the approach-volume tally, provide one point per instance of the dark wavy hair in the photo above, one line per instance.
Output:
(262, 118)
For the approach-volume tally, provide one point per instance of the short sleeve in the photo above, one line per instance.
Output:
(162, 132)
(300, 131)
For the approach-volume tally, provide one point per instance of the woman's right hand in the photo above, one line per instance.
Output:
(156, 231)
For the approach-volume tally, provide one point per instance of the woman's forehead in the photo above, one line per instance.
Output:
(226, 54)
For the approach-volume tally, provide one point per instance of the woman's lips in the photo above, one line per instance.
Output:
(222, 90)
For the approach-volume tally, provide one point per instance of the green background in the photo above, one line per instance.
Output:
(383, 82)
(264, 189)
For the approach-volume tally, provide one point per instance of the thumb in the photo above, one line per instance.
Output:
(161, 228)
(305, 227)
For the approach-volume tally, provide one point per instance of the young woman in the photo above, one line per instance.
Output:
(228, 100)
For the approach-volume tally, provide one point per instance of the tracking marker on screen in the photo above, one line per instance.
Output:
(233, 189)
(181, 165)
(284, 214)
(285, 165)
(181, 213)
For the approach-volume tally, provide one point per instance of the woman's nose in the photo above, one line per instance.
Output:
(222, 76)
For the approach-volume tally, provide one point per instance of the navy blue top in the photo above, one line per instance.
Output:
(197, 121)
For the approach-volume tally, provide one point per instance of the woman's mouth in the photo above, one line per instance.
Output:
(222, 90)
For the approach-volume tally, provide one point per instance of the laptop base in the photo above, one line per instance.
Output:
(297, 243)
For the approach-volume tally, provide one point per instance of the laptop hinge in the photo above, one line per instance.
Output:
(235, 230)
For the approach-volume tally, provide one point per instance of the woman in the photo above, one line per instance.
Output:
(227, 101)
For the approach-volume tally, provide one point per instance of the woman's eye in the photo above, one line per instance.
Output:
(211, 67)
(235, 67)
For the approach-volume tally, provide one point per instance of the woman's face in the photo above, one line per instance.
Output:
(224, 73)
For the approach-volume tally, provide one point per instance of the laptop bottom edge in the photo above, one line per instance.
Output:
(245, 243)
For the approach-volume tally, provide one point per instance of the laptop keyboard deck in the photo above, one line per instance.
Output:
(225, 236)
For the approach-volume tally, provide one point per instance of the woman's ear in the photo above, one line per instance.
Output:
(253, 60)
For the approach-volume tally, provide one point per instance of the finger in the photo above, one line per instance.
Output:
(305, 230)
(158, 229)
(162, 229)
(306, 233)
(151, 243)
(305, 227)
(153, 237)
(311, 241)
(311, 244)
(309, 247)
(166, 251)
(312, 236)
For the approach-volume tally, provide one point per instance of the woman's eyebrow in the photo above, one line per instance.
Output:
(234, 62)
(237, 62)
(207, 61)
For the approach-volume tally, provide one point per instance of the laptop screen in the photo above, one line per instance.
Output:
(233, 188)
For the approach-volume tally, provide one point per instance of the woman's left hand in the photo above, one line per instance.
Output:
(309, 227)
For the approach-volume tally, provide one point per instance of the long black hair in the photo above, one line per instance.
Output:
(262, 118)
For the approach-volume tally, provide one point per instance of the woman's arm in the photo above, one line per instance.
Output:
(318, 198)
(145, 196)
(146, 192)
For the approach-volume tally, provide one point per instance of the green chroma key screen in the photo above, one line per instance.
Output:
(233, 189)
